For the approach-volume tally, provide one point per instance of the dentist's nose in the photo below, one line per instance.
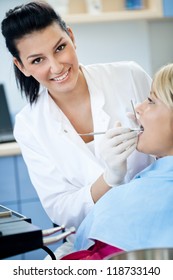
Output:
(55, 67)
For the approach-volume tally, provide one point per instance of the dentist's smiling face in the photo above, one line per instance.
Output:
(157, 121)
(49, 56)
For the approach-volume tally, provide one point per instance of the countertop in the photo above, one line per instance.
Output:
(9, 149)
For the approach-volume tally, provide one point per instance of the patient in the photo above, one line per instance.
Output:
(139, 214)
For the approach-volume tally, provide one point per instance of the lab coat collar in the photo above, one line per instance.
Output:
(62, 125)
(97, 102)
(54, 112)
(100, 117)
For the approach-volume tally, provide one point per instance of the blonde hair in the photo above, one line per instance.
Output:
(163, 84)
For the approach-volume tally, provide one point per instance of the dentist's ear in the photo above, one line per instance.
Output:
(72, 36)
(20, 66)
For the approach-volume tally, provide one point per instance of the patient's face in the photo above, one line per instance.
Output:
(157, 121)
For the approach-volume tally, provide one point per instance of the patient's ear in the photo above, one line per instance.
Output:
(20, 66)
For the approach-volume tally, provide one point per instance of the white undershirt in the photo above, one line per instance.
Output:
(90, 145)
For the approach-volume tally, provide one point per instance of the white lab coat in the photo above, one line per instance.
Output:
(61, 166)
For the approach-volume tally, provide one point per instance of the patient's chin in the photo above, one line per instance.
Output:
(141, 144)
(143, 149)
(140, 149)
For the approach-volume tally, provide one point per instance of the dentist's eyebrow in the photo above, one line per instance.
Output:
(39, 54)
(59, 41)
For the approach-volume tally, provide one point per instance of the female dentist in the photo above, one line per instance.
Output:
(67, 99)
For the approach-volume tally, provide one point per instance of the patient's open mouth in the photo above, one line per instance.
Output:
(141, 128)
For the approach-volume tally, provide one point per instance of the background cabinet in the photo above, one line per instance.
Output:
(112, 10)
(18, 194)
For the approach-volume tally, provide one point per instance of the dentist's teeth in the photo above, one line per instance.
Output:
(62, 77)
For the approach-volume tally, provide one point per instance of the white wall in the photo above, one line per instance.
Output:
(148, 43)
(161, 43)
(105, 42)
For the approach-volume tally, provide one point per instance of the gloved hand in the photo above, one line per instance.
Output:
(117, 144)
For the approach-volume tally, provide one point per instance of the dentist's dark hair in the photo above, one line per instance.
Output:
(23, 20)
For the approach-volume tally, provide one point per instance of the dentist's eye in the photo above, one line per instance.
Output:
(61, 47)
(37, 60)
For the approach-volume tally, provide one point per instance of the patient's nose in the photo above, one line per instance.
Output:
(139, 108)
